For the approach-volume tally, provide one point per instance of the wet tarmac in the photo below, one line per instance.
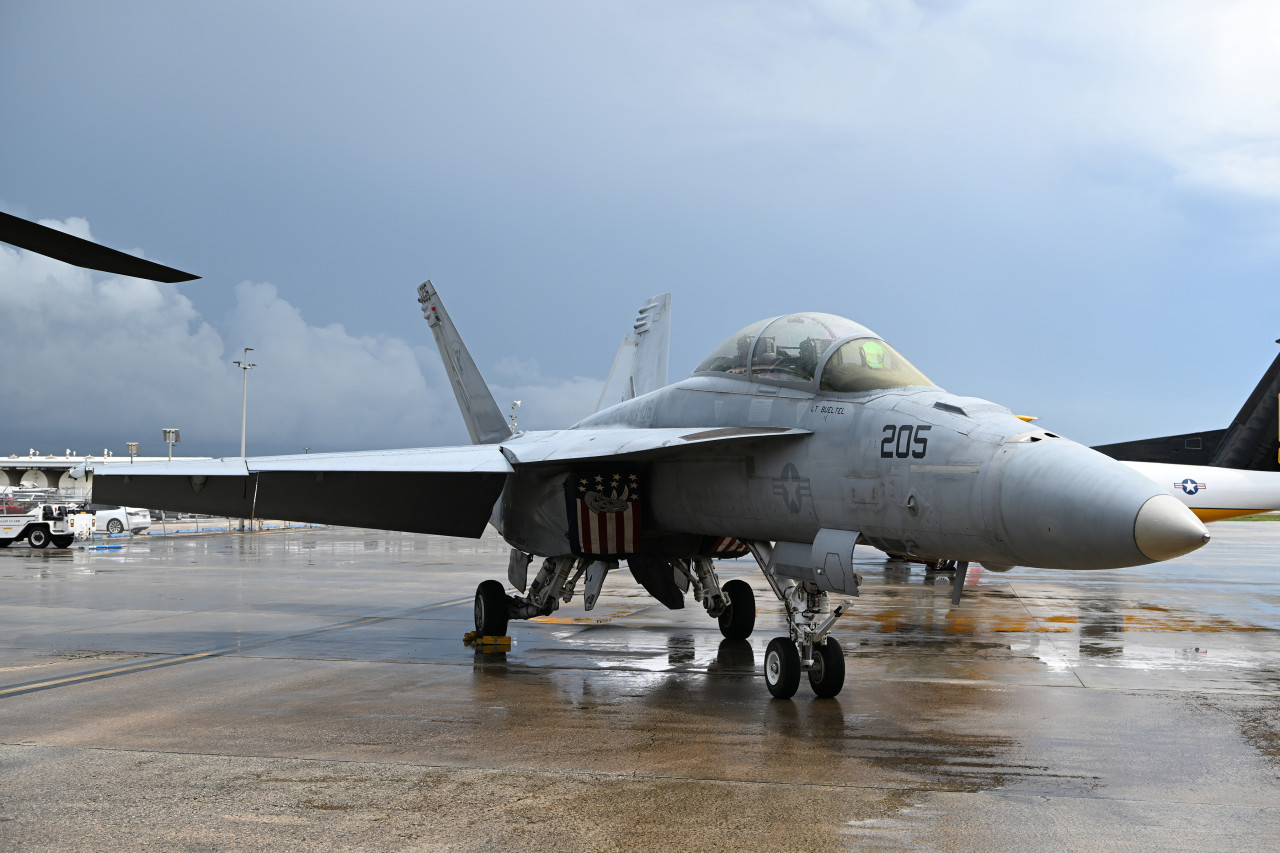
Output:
(310, 690)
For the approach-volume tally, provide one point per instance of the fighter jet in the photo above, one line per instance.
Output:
(797, 439)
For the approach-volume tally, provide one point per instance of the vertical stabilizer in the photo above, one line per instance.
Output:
(1251, 440)
(641, 363)
(485, 422)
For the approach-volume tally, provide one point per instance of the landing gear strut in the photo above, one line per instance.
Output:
(807, 648)
(555, 583)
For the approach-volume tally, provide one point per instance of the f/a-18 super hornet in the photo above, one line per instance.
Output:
(795, 440)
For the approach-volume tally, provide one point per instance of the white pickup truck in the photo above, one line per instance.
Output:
(41, 525)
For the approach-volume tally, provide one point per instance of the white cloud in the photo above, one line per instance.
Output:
(546, 402)
(1190, 84)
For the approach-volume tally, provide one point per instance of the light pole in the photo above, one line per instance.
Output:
(171, 438)
(132, 447)
(246, 366)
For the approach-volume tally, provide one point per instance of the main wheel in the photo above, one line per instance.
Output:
(782, 667)
(491, 609)
(826, 676)
(38, 538)
(115, 525)
(63, 541)
(738, 619)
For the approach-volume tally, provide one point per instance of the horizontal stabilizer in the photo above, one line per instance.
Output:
(449, 490)
(61, 246)
(1192, 448)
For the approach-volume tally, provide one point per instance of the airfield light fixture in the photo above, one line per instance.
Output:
(245, 365)
(132, 447)
(171, 438)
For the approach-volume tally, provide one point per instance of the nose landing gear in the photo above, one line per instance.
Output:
(807, 649)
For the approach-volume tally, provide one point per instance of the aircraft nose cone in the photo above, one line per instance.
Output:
(1059, 505)
(1165, 529)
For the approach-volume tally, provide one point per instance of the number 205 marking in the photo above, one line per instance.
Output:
(898, 441)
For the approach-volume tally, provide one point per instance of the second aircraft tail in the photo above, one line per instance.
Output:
(641, 363)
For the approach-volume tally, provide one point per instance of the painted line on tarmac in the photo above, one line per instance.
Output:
(97, 674)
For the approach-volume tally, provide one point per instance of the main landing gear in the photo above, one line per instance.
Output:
(808, 648)
(733, 605)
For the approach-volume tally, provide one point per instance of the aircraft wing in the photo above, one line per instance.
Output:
(568, 445)
(70, 249)
(446, 490)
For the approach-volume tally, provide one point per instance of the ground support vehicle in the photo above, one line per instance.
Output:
(41, 525)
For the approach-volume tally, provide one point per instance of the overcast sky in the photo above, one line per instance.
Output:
(1069, 208)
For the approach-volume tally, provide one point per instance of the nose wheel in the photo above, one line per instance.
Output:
(782, 668)
(826, 674)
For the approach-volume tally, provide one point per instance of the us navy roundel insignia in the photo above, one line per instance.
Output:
(1190, 486)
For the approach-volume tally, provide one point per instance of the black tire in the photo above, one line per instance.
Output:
(491, 609)
(738, 619)
(63, 541)
(782, 667)
(38, 538)
(115, 525)
(5, 543)
(826, 676)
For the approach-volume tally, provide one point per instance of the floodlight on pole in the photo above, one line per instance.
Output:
(245, 366)
(171, 438)
(132, 447)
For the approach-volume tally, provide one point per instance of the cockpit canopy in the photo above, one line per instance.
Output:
(793, 348)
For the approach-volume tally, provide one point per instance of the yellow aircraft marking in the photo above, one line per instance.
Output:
(171, 661)
(1208, 515)
(582, 620)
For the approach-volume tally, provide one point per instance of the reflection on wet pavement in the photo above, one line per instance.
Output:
(1047, 708)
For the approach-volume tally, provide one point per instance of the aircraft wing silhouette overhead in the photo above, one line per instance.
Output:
(79, 252)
